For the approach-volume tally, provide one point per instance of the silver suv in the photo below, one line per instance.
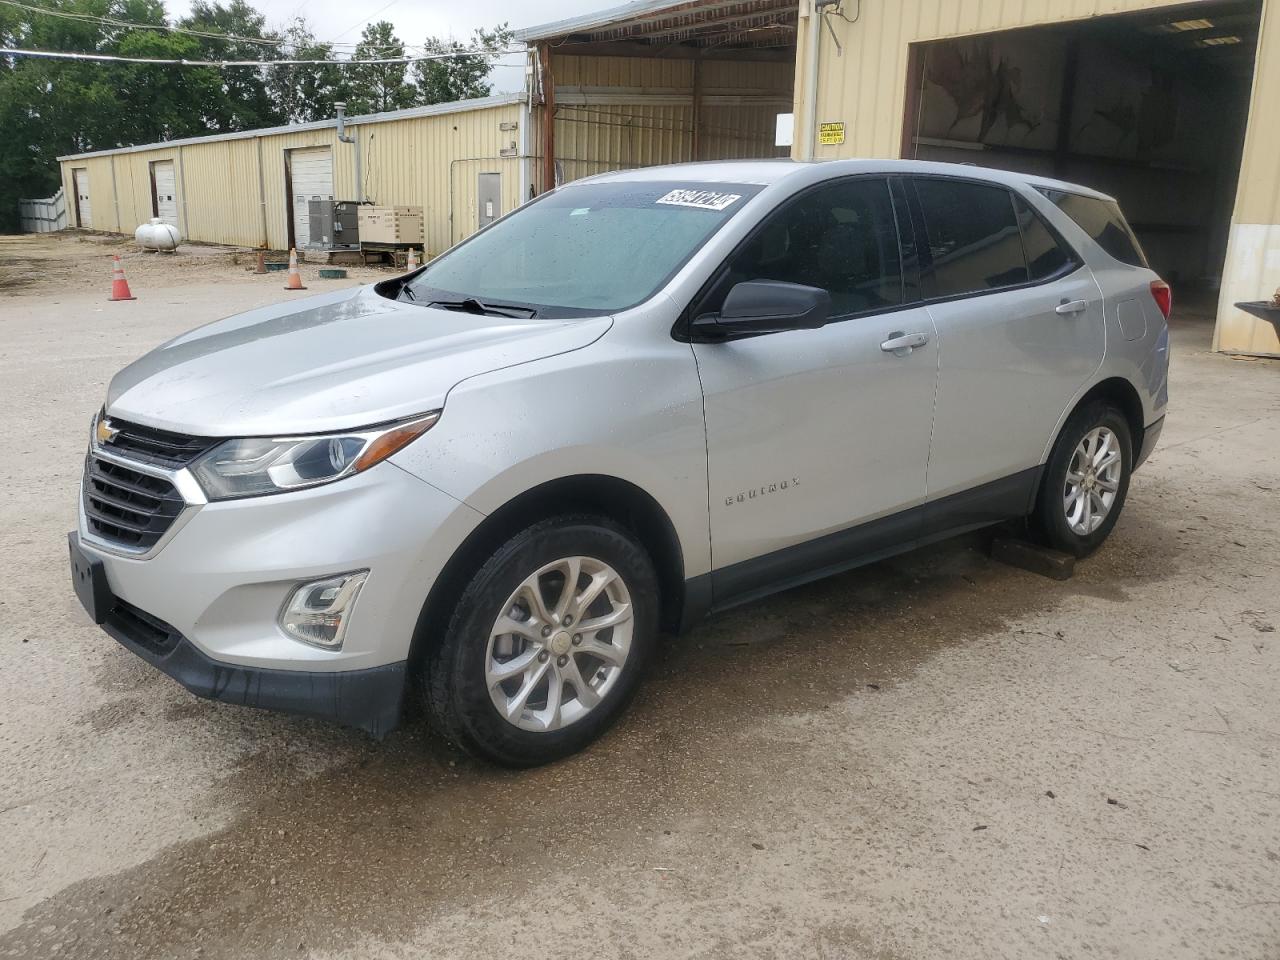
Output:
(641, 398)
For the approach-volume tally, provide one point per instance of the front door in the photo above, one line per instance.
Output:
(811, 434)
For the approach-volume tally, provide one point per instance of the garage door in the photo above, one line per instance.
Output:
(84, 213)
(311, 172)
(165, 187)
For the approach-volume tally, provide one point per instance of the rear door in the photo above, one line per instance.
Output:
(1020, 331)
(812, 432)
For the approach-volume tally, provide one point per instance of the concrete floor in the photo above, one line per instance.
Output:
(934, 756)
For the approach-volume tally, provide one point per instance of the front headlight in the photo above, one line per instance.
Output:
(261, 465)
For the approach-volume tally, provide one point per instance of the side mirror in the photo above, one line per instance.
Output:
(765, 306)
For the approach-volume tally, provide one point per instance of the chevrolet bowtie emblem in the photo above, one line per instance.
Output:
(106, 432)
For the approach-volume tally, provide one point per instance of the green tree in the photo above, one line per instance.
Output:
(239, 99)
(306, 92)
(378, 87)
(460, 77)
(50, 108)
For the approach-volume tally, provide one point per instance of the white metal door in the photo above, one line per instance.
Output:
(166, 187)
(311, 172)
(84, 213)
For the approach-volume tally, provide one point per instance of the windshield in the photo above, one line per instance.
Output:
(583, 250)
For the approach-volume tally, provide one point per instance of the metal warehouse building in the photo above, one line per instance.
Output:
(252, 188)
(1160, 104)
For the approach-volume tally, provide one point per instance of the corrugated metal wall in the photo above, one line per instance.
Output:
(433, 162)
(1253, 251)
(224, 196)
(620, 112)
(865, 86)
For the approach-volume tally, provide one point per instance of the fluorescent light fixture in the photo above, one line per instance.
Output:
(1219, 41)
(1184, 25)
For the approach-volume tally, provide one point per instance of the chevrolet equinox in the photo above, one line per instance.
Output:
(490, 484)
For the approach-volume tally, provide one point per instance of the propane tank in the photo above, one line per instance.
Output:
(158, 235)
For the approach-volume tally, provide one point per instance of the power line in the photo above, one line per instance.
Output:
(392, 3)
(203, 34)
(133, 25)
(109, 58)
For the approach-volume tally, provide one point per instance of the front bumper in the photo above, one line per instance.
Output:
(369, 699)
(218, 583)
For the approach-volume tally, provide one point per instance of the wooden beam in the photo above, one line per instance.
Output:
(548, 118)
(783, 53)
(1066, 106)
(911, 115)
(697, 109)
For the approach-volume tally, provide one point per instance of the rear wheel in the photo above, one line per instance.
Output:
(547, 644)
(1085, 481)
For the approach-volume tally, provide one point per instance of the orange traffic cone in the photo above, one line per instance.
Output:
(119, 285)
(295, 278)
(411, 261)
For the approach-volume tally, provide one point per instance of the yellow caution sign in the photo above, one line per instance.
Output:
(831, 132)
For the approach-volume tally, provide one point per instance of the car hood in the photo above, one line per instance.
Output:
(345, 359)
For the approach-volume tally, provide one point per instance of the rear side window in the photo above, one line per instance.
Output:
(1047, 256)
(974, 237)
(1103, 221)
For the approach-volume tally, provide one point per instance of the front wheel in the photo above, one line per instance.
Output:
(547, 643)
(1085, 481)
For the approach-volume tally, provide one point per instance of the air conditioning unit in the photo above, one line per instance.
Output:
(334, 225)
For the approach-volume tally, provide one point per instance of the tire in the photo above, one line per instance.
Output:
(463, 686)
(1059, 518)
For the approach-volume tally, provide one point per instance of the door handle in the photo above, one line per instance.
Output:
(1068, 307)
(900, 344)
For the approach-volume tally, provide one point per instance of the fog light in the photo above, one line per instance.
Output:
(317, 612)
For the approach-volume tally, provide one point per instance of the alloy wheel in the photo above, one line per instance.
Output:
(560, 644)
(1093, 480)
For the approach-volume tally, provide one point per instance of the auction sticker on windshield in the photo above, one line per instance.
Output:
(703, 199)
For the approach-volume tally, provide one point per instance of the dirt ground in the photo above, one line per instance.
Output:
(936, 756)
(79, 262)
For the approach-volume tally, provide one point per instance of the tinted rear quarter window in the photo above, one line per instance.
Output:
(974, 238)
(1102, 221)
(1047, 256)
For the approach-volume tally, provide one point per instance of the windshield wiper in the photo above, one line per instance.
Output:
(477, 306)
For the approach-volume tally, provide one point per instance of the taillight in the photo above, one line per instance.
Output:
(1163, 296)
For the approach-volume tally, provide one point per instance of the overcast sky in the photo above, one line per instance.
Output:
(415, 20)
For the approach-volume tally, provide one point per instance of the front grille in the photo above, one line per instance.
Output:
(138, 626)
(127, 507)
(160, 447)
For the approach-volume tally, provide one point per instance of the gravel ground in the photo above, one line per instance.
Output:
(933, 756)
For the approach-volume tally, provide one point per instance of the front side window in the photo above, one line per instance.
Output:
(974, 238)
(841, 237)
(583, 250)
(1103, 221)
